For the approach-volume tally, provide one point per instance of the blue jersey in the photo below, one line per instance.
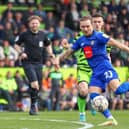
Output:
(94, 48)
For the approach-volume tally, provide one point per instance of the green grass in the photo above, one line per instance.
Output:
(58, 120)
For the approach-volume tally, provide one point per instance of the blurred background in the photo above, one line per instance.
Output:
(60, 19)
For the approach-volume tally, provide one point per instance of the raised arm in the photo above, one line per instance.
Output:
(113, 42)
(65, 44)
(66, 54)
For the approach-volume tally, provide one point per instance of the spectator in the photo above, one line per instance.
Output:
(125, 56)
(121, 4)
(126, 33)
(9, 18)
(123, 17)
(11, 86)
(9, 33)
(127, 5)
(22, 28)
(93, 11)
(50, 20)
(72, 17)
(104, 11)
(2, 63)
(108, 30)
(63, 32)
(9, 9)
(2, 56)
(9, 52)
(5, 95)
(57, 48)
(61, 8)
(117, 63)
(40, 11)
(84, 11)
(112, 7)
(117, 102)
(51, 32)
(22, 84)
(45, 92)
(70, 82)
(27, 13)
(56, 79)
(126, 100)
(23, 91)
(68, 100)
(18, 20)
(2, 33)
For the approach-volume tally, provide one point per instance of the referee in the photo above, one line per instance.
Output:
(33, 41)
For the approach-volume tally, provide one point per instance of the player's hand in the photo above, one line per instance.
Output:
(23, 56)
(57, 63)
(65, 43)
(35, 85)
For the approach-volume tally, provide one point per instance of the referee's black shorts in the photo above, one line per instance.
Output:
(33, 72)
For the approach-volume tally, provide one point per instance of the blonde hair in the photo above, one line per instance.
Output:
(85, 18)
(34, 17)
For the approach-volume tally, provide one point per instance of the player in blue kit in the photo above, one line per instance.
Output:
(94, 47)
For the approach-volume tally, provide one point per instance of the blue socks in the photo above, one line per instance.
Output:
(124, 87)
(106, 113)
(93, 95)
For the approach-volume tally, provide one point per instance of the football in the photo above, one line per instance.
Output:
(100, 103)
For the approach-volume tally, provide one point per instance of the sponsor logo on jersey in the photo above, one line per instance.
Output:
(92, 42)
(40, 43)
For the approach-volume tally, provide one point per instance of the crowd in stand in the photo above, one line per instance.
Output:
(62, 22)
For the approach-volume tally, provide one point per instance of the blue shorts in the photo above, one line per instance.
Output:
(102, 75)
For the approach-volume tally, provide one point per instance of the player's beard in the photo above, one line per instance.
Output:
(34, 30)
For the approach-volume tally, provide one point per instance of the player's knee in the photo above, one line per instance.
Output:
(83, 88)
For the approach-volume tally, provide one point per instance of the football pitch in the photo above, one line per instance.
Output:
(59, 120)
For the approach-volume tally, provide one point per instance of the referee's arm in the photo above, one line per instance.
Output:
(50, 52)
(18, 48)
(22, 54)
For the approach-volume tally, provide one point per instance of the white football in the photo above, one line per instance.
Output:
(100, 103)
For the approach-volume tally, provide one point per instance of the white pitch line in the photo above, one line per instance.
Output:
(85, 125)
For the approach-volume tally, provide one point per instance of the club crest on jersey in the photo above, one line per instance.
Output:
(40, 43)
(82, 44)
(92, 42)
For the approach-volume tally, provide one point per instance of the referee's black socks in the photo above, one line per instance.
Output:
(33, 95)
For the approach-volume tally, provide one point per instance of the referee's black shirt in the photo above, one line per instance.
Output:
(33, 44)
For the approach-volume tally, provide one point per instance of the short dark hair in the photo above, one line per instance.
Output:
(97, 15)
(86, 18)
(34, 17)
